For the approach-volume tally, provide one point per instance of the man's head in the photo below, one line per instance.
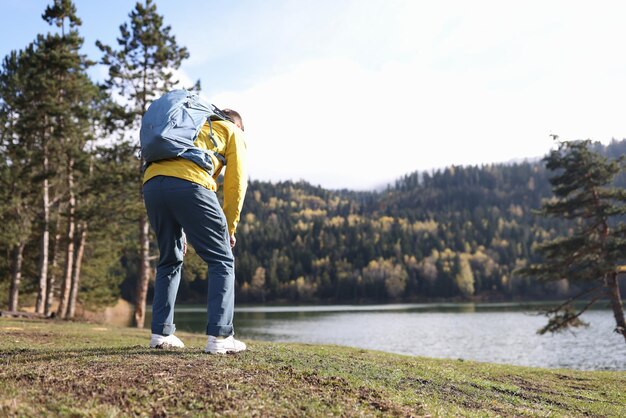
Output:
(234, 116)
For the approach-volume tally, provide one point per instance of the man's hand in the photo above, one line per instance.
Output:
(233, 241)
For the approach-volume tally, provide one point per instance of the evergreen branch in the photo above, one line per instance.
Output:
(570, 300)
(567, 319)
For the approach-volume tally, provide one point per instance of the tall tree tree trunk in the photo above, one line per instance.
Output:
(144, 271)
(82, 241)
(55, 265)
(144, 230)
(45, 239)
(16, 275)
(616, 303)
(69, 254)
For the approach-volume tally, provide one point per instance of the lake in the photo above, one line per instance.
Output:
(490, 332)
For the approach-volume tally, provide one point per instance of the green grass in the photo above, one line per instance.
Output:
(80, 369)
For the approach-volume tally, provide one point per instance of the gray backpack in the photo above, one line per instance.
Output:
(171, 125)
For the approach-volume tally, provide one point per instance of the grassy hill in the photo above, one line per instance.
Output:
(81, 369)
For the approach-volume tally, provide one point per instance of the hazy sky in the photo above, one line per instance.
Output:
(355, 93)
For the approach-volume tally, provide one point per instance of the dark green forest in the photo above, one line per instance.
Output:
(455, 233)
(74, 233)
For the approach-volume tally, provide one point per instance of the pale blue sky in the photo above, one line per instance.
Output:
(354, 93)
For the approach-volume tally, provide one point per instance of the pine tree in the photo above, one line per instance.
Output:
(140, 70)
(35, 126)
(68, 105)
(593, 252)
(17, 165)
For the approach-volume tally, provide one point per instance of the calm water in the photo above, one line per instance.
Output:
(499, 333)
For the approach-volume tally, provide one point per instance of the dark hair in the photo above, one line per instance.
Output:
(234, 115)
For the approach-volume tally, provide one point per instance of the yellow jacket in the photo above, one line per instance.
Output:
(231, 144)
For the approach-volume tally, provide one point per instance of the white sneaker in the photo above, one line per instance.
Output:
(223, 345)
(161, 341)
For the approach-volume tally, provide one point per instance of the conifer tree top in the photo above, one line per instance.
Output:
(59, 11)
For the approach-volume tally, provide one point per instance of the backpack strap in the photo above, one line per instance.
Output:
(220, 157)
(217, 154)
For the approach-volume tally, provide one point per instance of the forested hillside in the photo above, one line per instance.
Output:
(454, 233)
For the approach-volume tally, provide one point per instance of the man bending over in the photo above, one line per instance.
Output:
(182, 205)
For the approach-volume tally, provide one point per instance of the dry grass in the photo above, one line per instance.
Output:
(78, 369)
